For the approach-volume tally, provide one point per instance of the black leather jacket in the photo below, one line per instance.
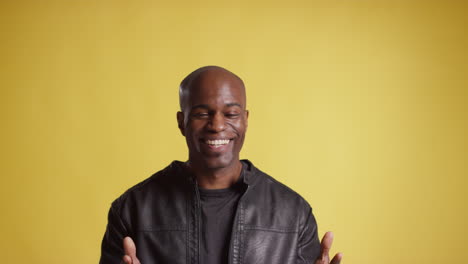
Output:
(273, 224)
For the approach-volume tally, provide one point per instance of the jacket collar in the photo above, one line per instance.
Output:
(249, 171)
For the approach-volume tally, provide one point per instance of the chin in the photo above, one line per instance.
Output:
(218, 163)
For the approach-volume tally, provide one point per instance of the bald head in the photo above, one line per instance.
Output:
(214, 76)
(212, 100)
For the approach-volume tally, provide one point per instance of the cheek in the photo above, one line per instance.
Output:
(238, 126)
(193, 129)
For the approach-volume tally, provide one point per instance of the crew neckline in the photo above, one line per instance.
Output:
(233, 188)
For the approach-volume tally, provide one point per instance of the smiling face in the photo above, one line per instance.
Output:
(213, 118)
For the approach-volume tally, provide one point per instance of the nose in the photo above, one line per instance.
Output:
(217, 123)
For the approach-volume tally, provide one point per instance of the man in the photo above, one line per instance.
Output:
(213, 208)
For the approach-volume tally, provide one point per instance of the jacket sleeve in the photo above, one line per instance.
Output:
(112, 242)
(309, 243)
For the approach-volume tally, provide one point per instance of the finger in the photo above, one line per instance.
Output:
(129, 247)
(326, 244)
(127, 259)
(337, 258)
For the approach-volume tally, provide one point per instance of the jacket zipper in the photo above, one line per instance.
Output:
(198, 203)
(234, 229)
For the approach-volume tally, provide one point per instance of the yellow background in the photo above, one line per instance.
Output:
(360, 106)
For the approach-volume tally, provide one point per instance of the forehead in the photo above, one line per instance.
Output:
(215, 89)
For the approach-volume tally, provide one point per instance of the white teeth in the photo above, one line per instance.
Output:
(217, 142)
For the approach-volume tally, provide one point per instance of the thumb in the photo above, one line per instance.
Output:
(326, 244)
(130, 251)
(127, 260)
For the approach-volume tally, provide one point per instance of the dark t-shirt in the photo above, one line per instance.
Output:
(218, 211)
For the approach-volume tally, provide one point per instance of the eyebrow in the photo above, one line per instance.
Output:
(205, 106)
(234, 104)
(200, 106)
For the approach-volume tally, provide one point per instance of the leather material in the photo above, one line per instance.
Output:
(273, 224)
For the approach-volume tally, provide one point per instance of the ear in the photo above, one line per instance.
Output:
(180, 122)
(246, 118)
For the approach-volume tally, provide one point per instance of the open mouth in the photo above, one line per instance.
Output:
(218, 144)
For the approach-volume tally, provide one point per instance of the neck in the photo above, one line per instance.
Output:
(219, 178)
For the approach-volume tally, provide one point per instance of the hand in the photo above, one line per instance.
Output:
(130, 252)
(327, 241)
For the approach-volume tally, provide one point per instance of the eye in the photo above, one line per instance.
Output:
(200, 115)
(232, 115)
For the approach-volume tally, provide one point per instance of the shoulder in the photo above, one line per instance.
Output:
(157, 185)
(274, 189)
(271, 204)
